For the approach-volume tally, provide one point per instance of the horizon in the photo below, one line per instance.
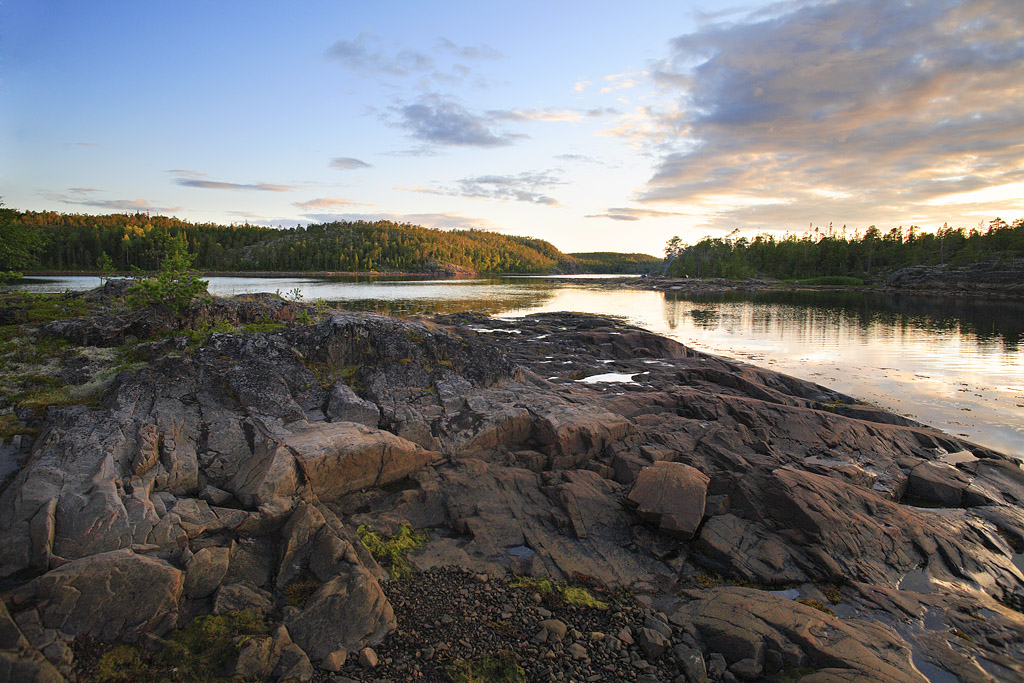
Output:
(587, 126)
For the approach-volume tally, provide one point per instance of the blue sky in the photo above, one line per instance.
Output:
(597, 126)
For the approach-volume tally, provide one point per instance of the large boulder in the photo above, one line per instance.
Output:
(345, 613)
(672, 495)
(117, 595)
(325, 462)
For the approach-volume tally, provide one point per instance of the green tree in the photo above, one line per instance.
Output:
(19, 244)
(175, 284)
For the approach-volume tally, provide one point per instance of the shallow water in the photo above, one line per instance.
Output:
(954, 364)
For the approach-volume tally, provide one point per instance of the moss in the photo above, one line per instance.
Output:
(298, 593)
(818, 605)
(10, 425)
(23, 307)
(202, 650)
(199, 652)
(123, 663)
(487, 669)
(832, 594)
(560, 593)
(391, 550)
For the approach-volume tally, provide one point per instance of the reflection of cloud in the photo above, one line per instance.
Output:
(437, 120)
(429, 220)
(325, 203)
(523, 187)
(856, 111)
(348, 163)
(81, 197)
(630, 214)
(194, 179)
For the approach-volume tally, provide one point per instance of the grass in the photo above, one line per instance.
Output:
(392, 550)
(199, 652)
(560, 593)
(487, 669)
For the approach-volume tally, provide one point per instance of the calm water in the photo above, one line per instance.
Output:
(958, 366)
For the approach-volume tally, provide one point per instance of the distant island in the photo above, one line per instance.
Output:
(51, 241)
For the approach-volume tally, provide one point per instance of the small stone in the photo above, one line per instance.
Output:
(367, 658)
(626, 635)
(334, 661)
(577, 651)
(545, 613)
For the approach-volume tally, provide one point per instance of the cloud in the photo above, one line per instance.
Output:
(436, 120)
(81, 197)
(348, 164)
(631, 214)
(522, 187)
(551, 114)
(582, 85)
(430, 220)
(853, 111)
(325, 203)
(473, 52)
(197, 180)
(357, 55)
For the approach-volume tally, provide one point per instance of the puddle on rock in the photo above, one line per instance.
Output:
(622, 377)
(917, 581)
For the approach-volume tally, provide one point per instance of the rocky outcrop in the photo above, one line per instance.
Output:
(235, 475)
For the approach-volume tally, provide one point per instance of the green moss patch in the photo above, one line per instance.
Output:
(561, 593)
(488, 669)
(392, 550)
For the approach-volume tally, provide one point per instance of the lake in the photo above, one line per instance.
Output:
(957, 365)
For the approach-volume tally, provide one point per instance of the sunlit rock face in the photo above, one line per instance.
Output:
(233, 475)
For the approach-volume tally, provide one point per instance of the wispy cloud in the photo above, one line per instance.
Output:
(853, 111)
(471, 52)
(633, 214)
(83, 196)
(361, 54)
(441, 121)
(523, 187)
(430, 220)
(198, 180)
(348, 164)
(551, 114)
(325, 203)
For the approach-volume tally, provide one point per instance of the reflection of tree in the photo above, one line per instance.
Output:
(818, 312)
(673, 311)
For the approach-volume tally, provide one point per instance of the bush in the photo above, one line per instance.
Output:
(391, 550)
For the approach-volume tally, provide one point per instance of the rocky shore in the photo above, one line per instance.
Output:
(582, 500)
(989, 280)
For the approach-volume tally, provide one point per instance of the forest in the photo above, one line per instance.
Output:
(127, 242)
(617, 262)
(831, 253)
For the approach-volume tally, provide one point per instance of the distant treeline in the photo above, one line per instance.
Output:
(829, 253)
(615, 262)
(68, 242)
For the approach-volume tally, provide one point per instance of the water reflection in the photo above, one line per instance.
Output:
(955, 364)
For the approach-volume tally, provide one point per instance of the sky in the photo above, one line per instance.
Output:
(598, 126)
